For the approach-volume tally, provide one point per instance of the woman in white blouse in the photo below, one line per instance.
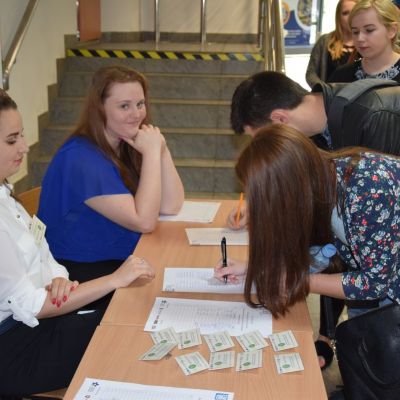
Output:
(40, 356)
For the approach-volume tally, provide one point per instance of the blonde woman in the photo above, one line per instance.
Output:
(374, 26)
(332, 49)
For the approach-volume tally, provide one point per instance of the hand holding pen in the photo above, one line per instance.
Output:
(237, 217)
(224, 257)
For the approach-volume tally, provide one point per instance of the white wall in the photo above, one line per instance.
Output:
(121, 15)
(223, 16)
(35, 67)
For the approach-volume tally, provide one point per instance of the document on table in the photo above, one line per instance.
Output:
(110, 390)
(194, 211)
(197, 280)
(213, 236)
(209, 316)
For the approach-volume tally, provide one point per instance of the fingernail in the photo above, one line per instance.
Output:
(65, 298)
(58, 303)
(53, 301)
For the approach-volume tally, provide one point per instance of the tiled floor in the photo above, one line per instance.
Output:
(331, 375)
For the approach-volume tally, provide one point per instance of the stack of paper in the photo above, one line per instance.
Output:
(194, 211)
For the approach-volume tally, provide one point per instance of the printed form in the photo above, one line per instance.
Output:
(209, 316)
(98, 389)
(213, 236)
(198, 280)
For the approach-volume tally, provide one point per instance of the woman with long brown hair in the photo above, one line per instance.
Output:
(299, 196)
(110, 180)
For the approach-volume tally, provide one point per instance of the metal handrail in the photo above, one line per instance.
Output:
(17, 41)
(270, 35)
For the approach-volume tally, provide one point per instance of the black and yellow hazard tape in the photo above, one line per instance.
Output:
(164, 55)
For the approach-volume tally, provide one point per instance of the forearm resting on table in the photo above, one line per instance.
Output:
(327, 284)
(172, 192)
(83, 294)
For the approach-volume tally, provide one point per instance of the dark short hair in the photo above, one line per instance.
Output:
(255, 98)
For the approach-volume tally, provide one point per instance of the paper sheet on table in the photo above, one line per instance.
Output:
(110, 390)
(197, 280)
(194, 211)
(209, 316)
(213, 236)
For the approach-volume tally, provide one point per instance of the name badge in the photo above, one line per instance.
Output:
(37, 229)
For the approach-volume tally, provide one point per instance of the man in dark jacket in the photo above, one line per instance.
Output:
(372, 120)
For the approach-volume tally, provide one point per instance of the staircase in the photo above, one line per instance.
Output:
(189, 100)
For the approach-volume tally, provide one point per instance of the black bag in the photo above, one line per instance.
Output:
(368, 352)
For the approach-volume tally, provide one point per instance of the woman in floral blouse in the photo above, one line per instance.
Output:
(299, 196)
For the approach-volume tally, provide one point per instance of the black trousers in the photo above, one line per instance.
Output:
(82, 272)
(45, 357)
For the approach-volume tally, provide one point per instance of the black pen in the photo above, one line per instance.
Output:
(223, 251)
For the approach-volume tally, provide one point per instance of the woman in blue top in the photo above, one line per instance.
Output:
(110, 180)
(299, 196)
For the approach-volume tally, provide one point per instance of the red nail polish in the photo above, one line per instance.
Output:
(53, 301)
(58, 303)
(65, 298)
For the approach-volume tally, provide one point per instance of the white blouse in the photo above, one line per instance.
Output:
(25, 267)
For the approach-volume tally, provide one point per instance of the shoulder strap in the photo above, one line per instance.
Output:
(348, 94)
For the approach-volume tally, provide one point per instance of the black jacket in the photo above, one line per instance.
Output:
(372, 120)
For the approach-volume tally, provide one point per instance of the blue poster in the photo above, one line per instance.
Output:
(297, 22)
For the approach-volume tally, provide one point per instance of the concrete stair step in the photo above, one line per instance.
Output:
(198, 175)
(211, 195)
(164, 85)
(174, 66)
(164, 112)
(183, 143)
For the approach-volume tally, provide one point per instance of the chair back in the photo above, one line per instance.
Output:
(30, 200)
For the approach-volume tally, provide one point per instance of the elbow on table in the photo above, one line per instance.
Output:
(146, 226)
(174, 208)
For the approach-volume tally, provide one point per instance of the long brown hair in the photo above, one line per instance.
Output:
(290, 189)
(92, 121)
(335, 40)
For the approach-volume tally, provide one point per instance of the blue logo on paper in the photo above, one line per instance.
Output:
(221, 396)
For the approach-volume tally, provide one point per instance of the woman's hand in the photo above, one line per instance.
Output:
(132, 269)
(242, 222)
(235, 271)
(60, 289)
(148, 139)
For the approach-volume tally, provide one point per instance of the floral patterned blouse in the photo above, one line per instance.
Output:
(371, 218)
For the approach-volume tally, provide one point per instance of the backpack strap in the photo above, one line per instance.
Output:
(348, 94)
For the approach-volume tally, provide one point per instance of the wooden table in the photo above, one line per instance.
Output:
(114, 352)
(116, 346)
(168, 246)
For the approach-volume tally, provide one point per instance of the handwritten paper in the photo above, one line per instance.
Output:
(197, 280)
(99, 389)
(194, 211)
(213, 236)
(208, 316)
